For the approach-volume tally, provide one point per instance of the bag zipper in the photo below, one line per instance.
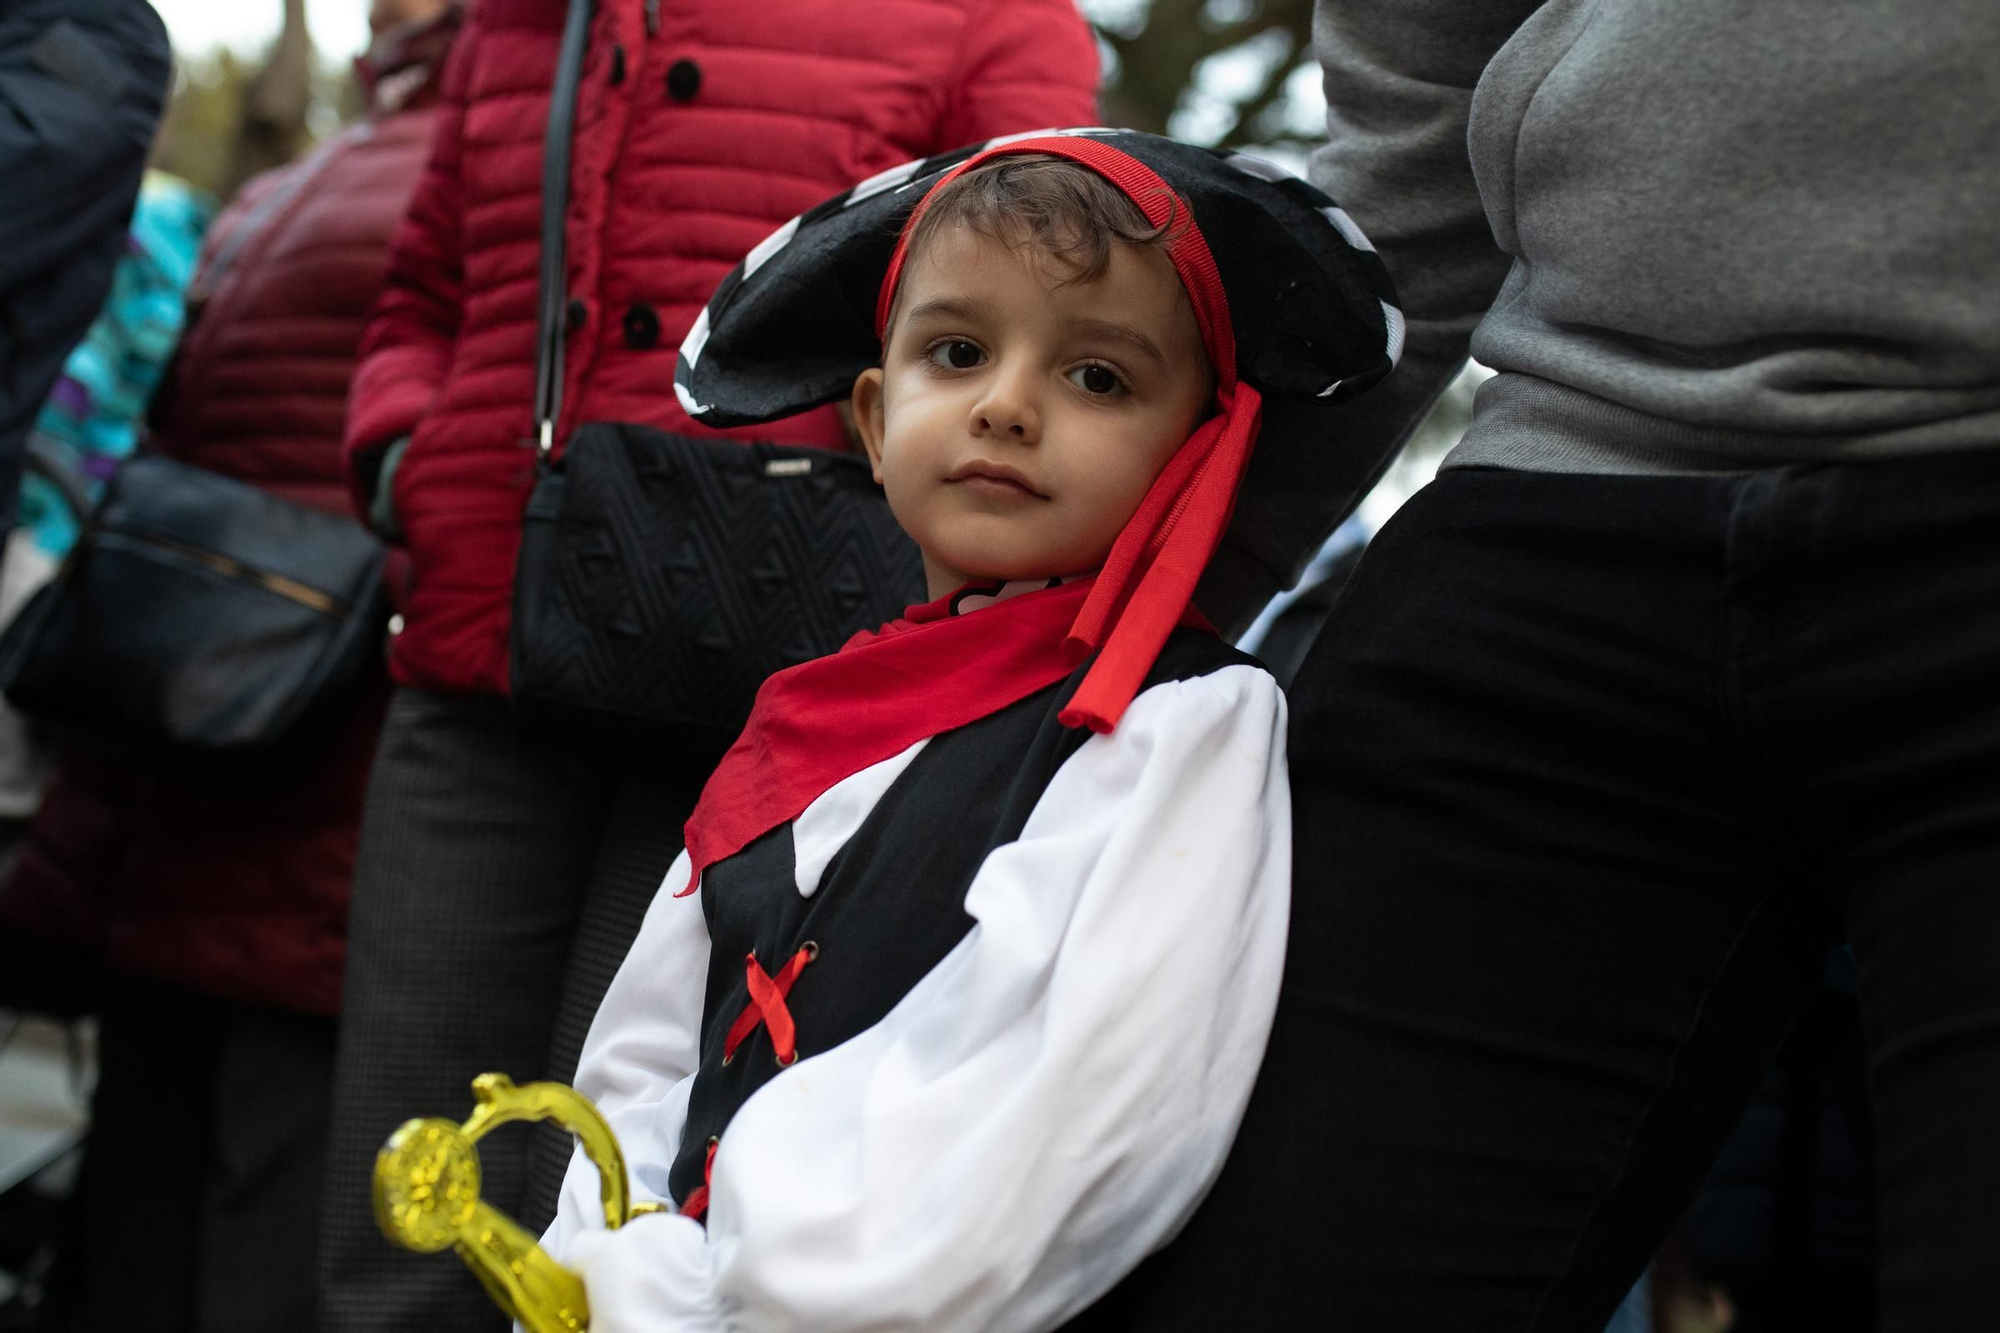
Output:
(288, 588)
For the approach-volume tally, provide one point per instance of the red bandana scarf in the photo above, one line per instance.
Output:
(931, 672)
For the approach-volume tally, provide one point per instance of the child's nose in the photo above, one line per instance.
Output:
(1007, 408)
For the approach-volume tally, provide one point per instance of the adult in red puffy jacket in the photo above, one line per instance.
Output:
(221, 916)
(498, 886)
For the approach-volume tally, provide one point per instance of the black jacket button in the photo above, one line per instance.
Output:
(642, 325)
(683, 80)
(576, 314)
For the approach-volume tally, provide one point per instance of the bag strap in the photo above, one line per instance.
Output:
(555, 211)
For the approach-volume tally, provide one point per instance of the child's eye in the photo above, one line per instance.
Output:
(1098, 381)
(955, 354)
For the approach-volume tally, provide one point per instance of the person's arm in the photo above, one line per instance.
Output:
(81, 87)
(638, 1060)
(1025, 65)
(1049, 1105)
(411, 330)
(1399, 76)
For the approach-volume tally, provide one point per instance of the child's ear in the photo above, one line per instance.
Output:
(866, 402)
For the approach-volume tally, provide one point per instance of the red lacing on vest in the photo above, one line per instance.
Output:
(767, 1006)
(696, 1206)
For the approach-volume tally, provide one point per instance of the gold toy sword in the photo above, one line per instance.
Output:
(427, 1198)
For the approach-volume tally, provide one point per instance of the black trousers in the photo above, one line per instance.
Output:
(1586, 772)
(496, 890)
(200, 1190)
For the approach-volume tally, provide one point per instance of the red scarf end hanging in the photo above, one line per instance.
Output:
(1157, 560)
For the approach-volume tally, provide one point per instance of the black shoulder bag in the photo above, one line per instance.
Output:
(662, 578)
(199, 616)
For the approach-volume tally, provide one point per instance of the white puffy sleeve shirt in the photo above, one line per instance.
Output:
(1045, 1108)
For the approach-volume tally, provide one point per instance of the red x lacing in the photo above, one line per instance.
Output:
(767, 1006)
(696, 1206)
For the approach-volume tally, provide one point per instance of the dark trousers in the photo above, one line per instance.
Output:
(201, 1177)
(1586, 772)
(496, 890)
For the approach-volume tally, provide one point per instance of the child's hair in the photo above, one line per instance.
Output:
(1067, 211)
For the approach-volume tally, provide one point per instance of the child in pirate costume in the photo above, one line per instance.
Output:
(947, 1015)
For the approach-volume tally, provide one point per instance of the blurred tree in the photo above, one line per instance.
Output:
(1230, 72)
(230, 117)
(276, 100)
(197, 139)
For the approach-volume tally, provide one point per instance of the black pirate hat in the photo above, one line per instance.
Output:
(790, 328)
(1288, 296)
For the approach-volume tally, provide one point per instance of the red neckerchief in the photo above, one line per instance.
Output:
(821, 721)
(932, 672)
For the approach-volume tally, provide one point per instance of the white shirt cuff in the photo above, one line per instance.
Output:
(649, 1276)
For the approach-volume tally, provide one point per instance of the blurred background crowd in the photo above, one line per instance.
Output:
(292, 136)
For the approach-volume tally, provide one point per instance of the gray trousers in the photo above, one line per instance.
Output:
(496, 890)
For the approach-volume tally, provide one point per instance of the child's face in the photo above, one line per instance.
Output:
(1017, 420)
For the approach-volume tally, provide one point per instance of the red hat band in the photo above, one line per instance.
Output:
(1154, 197)
(1150, 574)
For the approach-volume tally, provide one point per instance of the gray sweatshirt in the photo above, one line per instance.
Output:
(1693, 235)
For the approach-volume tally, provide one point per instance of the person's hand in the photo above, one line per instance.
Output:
(381, 501)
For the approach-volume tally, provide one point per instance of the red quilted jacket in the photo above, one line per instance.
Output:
(244, 895)
(701, 126)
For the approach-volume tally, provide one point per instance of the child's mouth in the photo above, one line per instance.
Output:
(994, 479)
